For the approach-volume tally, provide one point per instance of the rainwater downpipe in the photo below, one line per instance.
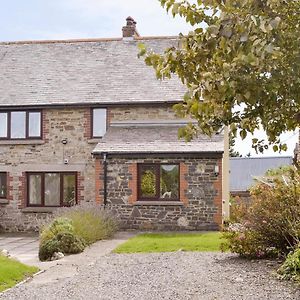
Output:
(105, 179)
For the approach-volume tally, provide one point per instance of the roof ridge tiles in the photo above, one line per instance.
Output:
(87, 40)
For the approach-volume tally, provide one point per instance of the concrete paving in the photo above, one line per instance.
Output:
(23, 247)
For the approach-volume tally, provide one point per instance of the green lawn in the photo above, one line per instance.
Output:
(12, 272)
(168, 242)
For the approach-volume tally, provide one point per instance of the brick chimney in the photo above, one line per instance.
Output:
(129, 31)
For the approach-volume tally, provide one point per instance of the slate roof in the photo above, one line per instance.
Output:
(155, 139)
(82, 72)
(244, 169)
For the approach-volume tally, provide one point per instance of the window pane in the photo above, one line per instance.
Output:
(3, 125)
(69, 189)
(35, 187)
(148, 182)
(18, 124)
(52, 189)
(3, 185)
(99, 122)
(34, 124)
(169, 178)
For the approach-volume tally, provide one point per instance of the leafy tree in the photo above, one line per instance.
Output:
(232, 151)
(241, 65)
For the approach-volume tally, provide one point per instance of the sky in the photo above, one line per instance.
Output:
(69, 19)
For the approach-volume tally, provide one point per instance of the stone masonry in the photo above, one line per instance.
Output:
(133, 113)
(200, 205)
(49, 154)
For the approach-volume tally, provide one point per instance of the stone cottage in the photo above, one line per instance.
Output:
(87, 121)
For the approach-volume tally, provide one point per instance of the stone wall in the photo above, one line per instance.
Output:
(200, 205)
(48, 154)
(126, 113)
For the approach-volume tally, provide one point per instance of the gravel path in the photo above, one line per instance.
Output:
(177, 275)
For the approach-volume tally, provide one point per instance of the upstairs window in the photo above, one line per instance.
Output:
(3, 185)
(3, 125)
(20, 125)
(158, 182)
(99, 124)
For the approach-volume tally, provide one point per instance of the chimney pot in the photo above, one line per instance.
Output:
(129, 31)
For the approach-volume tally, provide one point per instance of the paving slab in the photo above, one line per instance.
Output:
(23, 247)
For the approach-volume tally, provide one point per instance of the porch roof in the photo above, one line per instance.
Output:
(155, 139)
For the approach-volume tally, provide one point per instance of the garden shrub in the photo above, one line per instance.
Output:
(290, 269)
(56, 226)
(65, 242)
(272, 224)
(91, 223)
(75, 227)
(47, 249)
(69, 243)
(238, 209)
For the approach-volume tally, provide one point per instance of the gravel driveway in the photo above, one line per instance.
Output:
(177, 275)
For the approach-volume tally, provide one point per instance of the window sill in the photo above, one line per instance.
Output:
(22, 142)
(163, 203)
(39, 209)
(4, 201)
(94, 141)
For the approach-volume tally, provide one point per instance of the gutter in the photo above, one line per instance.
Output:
(169, 154)
(4, 107)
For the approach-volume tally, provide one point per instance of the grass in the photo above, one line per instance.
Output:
(169, 242)
(12, 272)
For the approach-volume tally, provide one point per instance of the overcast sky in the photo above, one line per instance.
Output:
(67, 19)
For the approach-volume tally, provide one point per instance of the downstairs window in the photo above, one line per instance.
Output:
(158, 182)
(3, 185)
(51, 189)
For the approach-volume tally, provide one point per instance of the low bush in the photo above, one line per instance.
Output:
(271, 226)
(48, 248)
(91, 223)
(238, 209)
(56, 226)
(290, 269)
(73, 228)
(65, 242)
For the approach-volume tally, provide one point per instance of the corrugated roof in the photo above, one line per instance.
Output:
(83, 72)
(155, 139)
(242, 169)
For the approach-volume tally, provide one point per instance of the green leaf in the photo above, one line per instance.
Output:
(142, 49)
(243, 134)
(175, 9)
